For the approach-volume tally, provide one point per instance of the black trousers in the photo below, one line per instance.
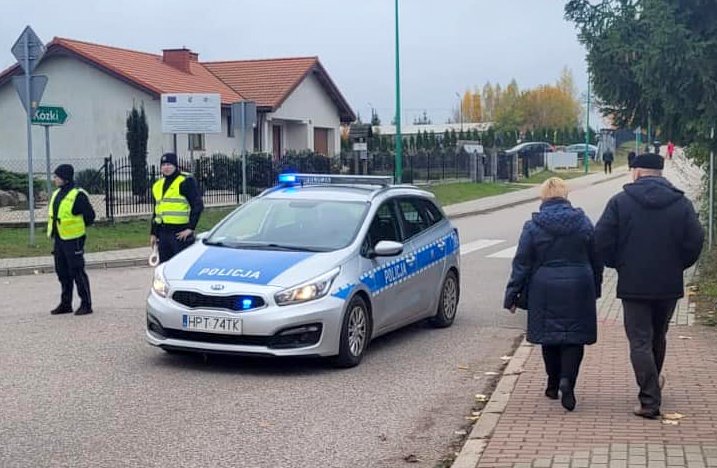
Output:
(70, 268)
(169, 245)
(646, 324)
(608, 167)
(562, 361)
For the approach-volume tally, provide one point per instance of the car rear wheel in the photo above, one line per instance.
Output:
(448, 303)
(355, 334)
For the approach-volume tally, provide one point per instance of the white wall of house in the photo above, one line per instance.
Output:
(309, 104)
(98, 104)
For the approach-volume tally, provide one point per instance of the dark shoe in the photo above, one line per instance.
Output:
(552, 393)
(61, 309)
(83, 310)
(568, 396)
(646, 412)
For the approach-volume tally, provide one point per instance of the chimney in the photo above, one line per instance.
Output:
(179, 58)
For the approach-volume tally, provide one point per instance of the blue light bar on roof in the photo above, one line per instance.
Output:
(332, 179)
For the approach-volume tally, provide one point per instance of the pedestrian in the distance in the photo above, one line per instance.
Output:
(557, 277)
(631, 158)
(178, 205)
(608, 157)
(670, 149)
(650, 233)
(69, 213)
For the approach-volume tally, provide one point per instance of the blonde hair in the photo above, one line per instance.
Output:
(555, 187)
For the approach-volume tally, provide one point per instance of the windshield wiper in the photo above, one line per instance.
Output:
(274, 246)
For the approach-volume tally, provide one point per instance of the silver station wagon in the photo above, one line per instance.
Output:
(316, 266)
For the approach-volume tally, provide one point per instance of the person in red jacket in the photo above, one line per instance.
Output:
(670, 149)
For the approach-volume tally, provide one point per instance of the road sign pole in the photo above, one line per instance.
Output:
(31, 191)
(47, 157)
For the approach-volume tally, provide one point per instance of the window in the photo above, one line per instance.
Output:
(384, 227)
(433, 213)
(196, 141)
(230, 126)
(414, 216)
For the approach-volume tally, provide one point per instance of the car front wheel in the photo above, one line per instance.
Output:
(355, 334)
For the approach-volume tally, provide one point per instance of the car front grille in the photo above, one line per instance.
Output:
(236, 303)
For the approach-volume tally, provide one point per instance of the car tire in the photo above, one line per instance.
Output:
(355, 334)
(448, 303)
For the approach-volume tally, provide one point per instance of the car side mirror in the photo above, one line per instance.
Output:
(387, 249)
(201, 236)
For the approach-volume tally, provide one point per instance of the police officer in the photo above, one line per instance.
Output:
(69, 212)
(178, 205)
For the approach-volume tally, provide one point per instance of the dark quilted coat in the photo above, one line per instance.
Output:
(557, 264)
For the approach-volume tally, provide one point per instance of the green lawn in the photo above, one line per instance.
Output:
(103, 236)
(542, 176)
(449, 194)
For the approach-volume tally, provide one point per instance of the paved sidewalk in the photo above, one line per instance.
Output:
(139, 256)
(521, 428)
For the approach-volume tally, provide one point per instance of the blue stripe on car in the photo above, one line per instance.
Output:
(243, 266)
(395, 272)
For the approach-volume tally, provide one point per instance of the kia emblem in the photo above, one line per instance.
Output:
(217, 287)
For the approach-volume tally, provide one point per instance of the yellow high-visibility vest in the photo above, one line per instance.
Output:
(171, 207)
(69, 226)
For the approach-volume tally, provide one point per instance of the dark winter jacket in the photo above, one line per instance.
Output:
(650, 233)
(557, 262)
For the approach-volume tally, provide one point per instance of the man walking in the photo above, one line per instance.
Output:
(69, 212)
(177, 208)
(608, 157)
(650, 233)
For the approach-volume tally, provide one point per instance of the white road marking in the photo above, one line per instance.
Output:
(507, 253)
(478, 245)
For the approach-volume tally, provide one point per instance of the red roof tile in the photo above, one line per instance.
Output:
(149, 71)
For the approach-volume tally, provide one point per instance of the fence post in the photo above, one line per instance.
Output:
(108, 195)
(428, 166)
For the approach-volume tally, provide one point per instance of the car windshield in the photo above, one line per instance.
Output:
(289, 224)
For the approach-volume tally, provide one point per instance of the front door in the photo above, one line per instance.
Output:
(276, 138)
(321, 141)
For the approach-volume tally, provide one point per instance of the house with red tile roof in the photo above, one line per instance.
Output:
(299, 107)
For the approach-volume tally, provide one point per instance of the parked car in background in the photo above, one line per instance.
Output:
(531, 147)
(580, 149)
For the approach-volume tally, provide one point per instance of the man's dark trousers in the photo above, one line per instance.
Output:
(646, 324)
(70, 268)
(168, 244)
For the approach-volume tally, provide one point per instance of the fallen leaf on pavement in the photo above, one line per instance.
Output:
(490, 373)
(481, 397)
(462, 367)
(461, 432)
(475, 413)
(670, 422)
(673, 416)
(506, 358)
(411, 458)
(682, 337)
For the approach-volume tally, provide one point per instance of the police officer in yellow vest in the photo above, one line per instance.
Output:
(178, 205)
(69, 212)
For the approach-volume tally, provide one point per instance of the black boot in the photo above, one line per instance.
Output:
(551, 391)
(83, 310)
(568, 396)
(61, 309)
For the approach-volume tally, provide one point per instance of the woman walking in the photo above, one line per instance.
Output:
(557, 277)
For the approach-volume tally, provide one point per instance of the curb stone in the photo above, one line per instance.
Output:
(472, 450)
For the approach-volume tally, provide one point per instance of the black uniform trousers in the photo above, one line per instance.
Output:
(70, 268)
(167, 243)
(562, 361)
(646, 324)
(608, 167)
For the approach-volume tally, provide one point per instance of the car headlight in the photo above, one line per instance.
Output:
(160, 285)
(309, 291)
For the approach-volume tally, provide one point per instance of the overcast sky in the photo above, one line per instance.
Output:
(446, 46)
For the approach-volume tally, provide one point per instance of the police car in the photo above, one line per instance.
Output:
(317, 266)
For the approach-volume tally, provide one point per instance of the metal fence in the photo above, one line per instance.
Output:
(120, 189)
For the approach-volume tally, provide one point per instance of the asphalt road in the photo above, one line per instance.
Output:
(88, 391)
